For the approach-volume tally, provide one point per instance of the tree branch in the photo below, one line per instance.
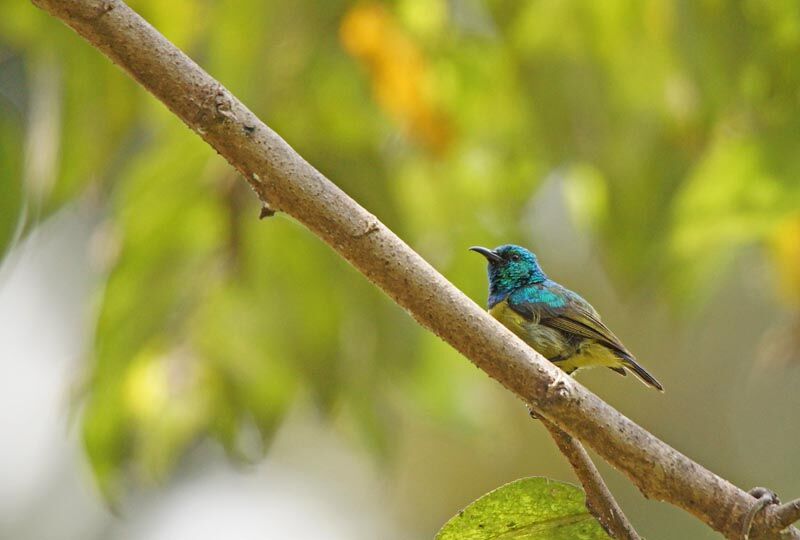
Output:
(599, 500)
(786, 514)
(287, 183)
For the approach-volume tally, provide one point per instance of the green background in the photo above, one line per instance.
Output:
(648, 151)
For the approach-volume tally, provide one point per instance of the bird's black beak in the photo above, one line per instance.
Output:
(490, 255)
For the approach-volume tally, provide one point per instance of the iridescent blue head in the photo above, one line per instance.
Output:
(510, 267)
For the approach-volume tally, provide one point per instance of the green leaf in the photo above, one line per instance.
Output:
(533, 508)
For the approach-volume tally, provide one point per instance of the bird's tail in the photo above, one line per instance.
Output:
(642, 373)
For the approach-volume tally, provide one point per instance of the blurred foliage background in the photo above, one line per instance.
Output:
(647, 150)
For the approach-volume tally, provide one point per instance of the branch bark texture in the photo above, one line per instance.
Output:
(285, 182)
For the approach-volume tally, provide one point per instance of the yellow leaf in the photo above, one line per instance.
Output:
(400, 75)
(785, 247)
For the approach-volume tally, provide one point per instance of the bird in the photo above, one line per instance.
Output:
(557, 322)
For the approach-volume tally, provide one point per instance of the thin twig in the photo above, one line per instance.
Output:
(599, 500)
(785, 514)
(287, 183)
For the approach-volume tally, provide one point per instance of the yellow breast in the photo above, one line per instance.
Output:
(510, 318)
(546, 341)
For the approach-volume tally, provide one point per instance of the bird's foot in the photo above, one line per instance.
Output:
(533, 414)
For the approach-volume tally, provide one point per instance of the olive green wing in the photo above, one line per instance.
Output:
(579, 318)
(559, 308)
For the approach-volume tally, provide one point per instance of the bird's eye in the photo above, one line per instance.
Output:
(515, 257)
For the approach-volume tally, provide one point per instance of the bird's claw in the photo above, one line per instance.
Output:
(533, 414)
